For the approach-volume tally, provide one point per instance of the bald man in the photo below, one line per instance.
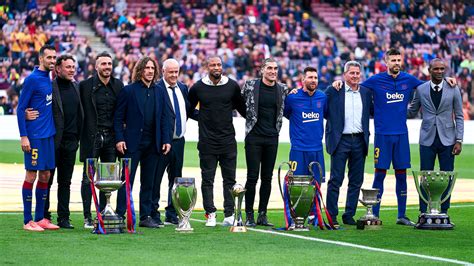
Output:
(172, 162)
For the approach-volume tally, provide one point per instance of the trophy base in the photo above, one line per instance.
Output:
(369, 224)
(238, 229)
(184, 230)
(112, 224)
(434, 222)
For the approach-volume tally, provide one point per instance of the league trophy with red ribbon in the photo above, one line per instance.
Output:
(107, 177)
(369, 199)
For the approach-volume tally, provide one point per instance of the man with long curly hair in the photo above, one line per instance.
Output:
(142, 132)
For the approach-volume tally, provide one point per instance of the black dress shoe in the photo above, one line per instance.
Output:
(349, 221)
(250, 220)
(148, 222)
(158, 221)
(65, 223)
(171, 220)
(262, 219)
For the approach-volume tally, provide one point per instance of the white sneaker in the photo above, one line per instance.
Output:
(228, 221)
(211, 219)
(88, 224)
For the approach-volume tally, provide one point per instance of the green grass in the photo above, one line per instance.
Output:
(10, 152)
(217, 246)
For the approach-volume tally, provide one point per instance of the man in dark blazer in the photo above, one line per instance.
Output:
(98, 96)
(347, 139)
(441, 132)
(142, 132)
(68, 121)
(176, 100)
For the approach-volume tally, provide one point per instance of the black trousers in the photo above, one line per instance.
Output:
(260, 153)
(104, 149)
(147, 156)
(228, 164)
(446, 163)
(173, 164)
(350, 150)
(65, 159)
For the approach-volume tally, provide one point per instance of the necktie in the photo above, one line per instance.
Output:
(436, 88)
(176, 112)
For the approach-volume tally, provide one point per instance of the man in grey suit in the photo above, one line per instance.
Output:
(441, 133)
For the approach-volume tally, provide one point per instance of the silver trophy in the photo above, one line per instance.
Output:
(369, 199)
(184, 195)
(108, 178)
(238, 192)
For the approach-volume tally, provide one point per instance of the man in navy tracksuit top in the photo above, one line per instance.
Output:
(305, 110)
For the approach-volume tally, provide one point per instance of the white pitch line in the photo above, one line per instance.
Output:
(346, 244)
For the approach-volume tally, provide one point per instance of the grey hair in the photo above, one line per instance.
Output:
(168, 61)
(351, 63)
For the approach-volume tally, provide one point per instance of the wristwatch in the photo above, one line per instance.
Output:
(459, 141)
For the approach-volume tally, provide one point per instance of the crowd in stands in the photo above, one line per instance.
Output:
(243, 34)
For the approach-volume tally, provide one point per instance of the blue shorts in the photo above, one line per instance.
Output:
(393, 149)
(41, 156)
(304, 158)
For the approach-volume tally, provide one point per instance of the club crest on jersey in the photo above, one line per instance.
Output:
(404, 86)
(310, 117)
(394, 97)
(318, 104)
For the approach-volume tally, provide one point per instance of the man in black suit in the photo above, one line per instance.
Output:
(347, 139)
(176, 100)
(68, 118)
(98, 96)
(142, 132)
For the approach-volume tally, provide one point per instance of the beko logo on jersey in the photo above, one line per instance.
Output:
(310, 116)
(394, 97)
(49, 99)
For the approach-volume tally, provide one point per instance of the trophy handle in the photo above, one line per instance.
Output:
(279, 178)
(417, 185)
(310, 167)
(454, 175)
(91, 166)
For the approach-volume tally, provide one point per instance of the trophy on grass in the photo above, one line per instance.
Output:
(184, 195)
(108, 178)
(238, 193)
(434, 183)
(301, 190)
(369, 199)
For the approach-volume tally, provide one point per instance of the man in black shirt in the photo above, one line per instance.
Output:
(98, 97)
(217, 96)
(68, 117)
(264, 99)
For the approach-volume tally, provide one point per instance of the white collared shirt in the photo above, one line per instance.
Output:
(439, 85)
(182, 108)
(352, 111)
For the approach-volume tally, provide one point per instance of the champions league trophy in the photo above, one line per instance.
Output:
(434, 183)
(238, 192)
(108, 178)
(301, 191)
(184, 196)
(369, 199)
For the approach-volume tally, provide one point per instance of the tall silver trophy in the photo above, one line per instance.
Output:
(434, 183)
(238, 192)
(369, 199)
(108, 178)
(184, 195)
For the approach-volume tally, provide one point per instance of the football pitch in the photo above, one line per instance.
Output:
(393, 244)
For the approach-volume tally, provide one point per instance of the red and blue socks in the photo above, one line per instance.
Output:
(41, 194)
(401, 190)
(27, 193)
(379, 177)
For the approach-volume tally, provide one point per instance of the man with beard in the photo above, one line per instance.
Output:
(217, 96)
(441, 132)
(264, 101)
(37, 139)
(306, 109)
(391, 94)
(142, 132)
(68, 114)
(98, 96)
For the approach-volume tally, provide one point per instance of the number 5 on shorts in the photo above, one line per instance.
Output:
(34, 154)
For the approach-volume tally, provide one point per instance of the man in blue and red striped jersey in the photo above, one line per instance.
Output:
(37, 138)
